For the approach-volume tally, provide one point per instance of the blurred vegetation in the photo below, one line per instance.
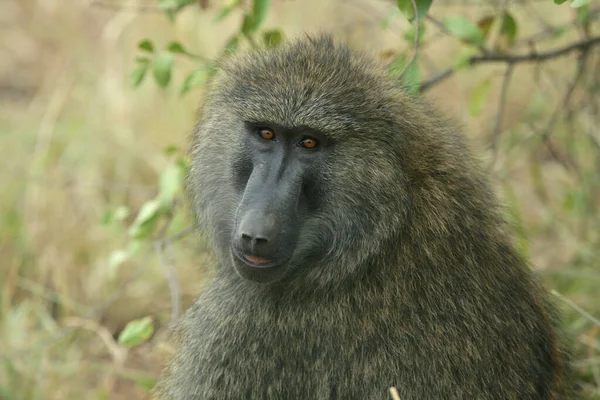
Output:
(97, 100)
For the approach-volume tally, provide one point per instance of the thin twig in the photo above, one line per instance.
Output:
(546, 133)
(416, 45)
(434, 80)
(549, 32)
(500, 113)
(117, 352)
(171, 274)
(575, 307)
(582, 45)
(567, 97)
(394, 393)
(162, 246)
(531, 57)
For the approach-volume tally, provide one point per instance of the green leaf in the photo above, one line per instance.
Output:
(463, 59)
(136, 332)
(222, 14)
(273, 38)
(170, 13)
(212, 70)
(397, 64)
(406, 7)
(463, 29)
(142, 60)
(173, 5)
(385, 21)
(579, 3)
(410, 76)
(176, 47)
(485, 25)
(226, 10)
(146, 382)
(171, 150)
(146, 45)
(260, 9)
(583, 14)
(559, 1)
(184, 164)
(161, 68)
(121, 213)
(118, 214)
(248, 24)
(117, 258)
(167, 4)
(479, 96)
(253, 20)
(171, 184)
(508, 29)
(409, 35)
(134, 247)
(108, 217)
(138, 74)
(233, 44)
(146, 219)
(194, 79)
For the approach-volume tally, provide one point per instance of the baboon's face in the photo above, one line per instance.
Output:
(278, 183)
(298, 165)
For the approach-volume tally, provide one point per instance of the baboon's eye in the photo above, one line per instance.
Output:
(309, 143)
(266, 133)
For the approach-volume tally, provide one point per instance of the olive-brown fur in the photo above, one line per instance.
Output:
(404, 275)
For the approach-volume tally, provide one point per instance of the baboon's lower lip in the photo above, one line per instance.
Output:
(257, 260)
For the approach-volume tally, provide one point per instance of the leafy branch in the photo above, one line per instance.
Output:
(512, 59)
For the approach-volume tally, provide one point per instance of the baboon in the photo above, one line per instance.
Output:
(359, 247)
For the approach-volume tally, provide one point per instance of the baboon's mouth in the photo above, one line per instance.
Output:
(254, 261)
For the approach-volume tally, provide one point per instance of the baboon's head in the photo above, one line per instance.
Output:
(298, 162)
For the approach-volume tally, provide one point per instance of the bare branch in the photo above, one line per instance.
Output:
(162, 246)
(582, 45)
(575, 307)
(170, 271)
(118, 353)
(551, 31)
(500, 114)
(416, 45)
(546, 133)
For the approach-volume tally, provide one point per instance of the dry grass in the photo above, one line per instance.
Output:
(78, 141)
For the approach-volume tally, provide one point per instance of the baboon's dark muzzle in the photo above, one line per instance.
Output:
(266, 231)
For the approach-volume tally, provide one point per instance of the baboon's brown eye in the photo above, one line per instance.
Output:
(309, 143)
(266, 133)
